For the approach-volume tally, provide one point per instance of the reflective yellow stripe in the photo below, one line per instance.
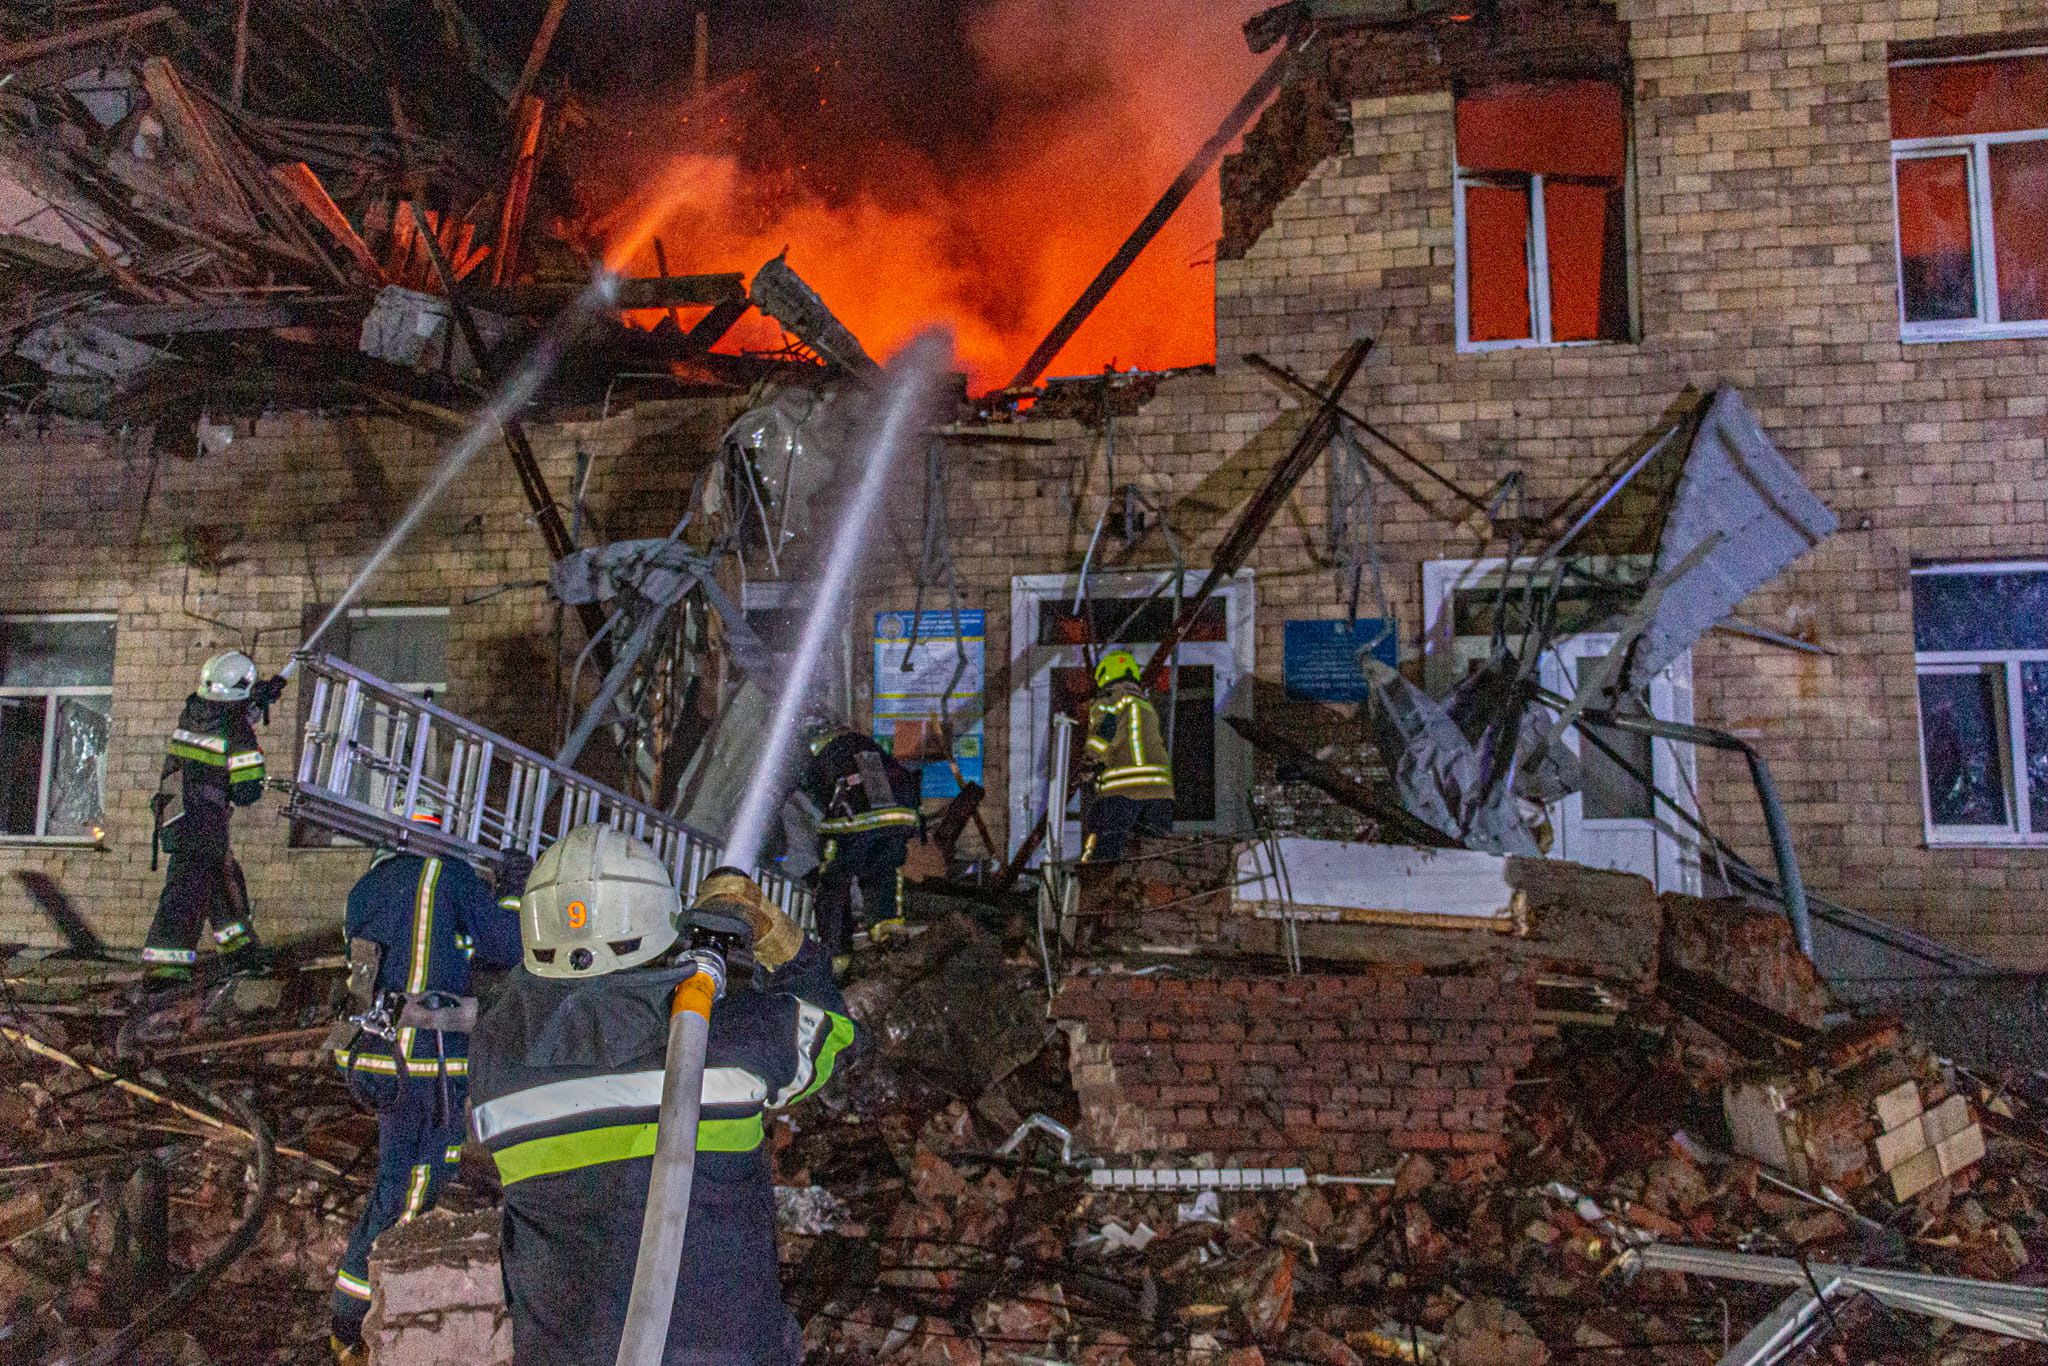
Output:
(382, 1064)
(197, 755)
(618, 1143)
(355, 1287)
(836, 1040)
(415, 1194)
(247, 759)
(868, 820)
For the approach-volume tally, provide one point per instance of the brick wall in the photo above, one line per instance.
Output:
(1327, 1070)
(1764, 222)
(299, 501)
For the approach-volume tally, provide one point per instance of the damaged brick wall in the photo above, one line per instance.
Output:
(98, 521)
(1327, 1070)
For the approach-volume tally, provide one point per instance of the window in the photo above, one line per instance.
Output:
(404, 646)
(1970, 168)
(56, 710)
(1542, 223)
(1980, 640)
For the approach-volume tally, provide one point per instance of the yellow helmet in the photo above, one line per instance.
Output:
(1115, 665)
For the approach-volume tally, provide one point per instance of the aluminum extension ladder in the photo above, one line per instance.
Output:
(372, 752)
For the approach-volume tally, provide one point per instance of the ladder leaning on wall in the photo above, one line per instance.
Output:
(372, 753)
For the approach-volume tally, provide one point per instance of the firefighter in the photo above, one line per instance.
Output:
(1129, 772)
(566, 1080)
(214, 764)
(870, 805)
(417, 924)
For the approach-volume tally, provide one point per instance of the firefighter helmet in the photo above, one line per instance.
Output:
(426, 807)
(227, 677)
(598, 901)
(1115, 666)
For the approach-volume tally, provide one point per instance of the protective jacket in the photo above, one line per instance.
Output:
(1125, 740)
(565, 1086)
(429, 917)
(213, 759)
(858, 785)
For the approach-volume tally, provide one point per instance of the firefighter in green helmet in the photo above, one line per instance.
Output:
(1126, 764)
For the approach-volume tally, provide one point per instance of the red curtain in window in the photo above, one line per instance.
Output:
(1496, 263)
(1575, 222)
(1935, 256)
(1948, 99)
(2019, 218)
(1570, 128)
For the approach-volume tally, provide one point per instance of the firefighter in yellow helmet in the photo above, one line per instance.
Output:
(1128, 769)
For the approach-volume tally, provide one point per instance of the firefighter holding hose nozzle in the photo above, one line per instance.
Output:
(212, 765)
(566, 1084)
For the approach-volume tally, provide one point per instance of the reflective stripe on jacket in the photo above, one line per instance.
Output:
(1124, 737)
(433, 916)
(214, 751)
(566, 1090)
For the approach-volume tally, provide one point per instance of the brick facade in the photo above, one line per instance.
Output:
(1765, 259)
(1328, 1070)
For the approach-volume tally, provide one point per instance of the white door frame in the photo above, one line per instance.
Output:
(1674, 766)
(1031, 664)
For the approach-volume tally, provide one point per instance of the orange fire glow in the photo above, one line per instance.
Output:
(997, 259)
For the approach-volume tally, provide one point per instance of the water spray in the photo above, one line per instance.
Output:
(900, 398)
(513, 394)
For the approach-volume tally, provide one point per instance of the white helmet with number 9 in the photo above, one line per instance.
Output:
(598, 901)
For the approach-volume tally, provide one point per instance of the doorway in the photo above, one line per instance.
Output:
(1614, 820)
(1050, 664)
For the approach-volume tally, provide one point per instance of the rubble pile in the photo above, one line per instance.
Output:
(923, 1225)
(126, 1162)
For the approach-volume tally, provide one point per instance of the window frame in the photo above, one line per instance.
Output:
(1537, 247)
(43, 771)
(2019, 831)
(1975, 150)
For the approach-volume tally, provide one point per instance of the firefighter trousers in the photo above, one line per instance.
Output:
(419, 1146)
(1111, 821)
(871, 860)
(203, 885)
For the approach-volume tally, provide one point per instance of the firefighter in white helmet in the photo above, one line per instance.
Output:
(212, 765)
(565, 1089)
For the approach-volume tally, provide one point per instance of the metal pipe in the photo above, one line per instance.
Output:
(1791, 886)
(645, 1339)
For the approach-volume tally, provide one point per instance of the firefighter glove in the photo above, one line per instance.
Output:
(776, 937)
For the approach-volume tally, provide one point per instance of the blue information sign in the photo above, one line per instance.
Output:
(1321, 661)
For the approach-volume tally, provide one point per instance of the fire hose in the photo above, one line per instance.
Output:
(675, 1161)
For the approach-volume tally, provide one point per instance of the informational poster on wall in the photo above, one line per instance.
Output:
(1321, 657)
(929, 671)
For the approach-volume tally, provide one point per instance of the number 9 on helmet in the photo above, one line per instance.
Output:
(598, 901)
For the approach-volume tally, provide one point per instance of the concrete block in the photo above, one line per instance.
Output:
(1901, 1143)
(1896, 1106)
(1946, 1120)
(1961, 1150)
(437, 1296)
(1916, 1174)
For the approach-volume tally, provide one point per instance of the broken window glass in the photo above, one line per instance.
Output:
(1553, 155)
(78, 767)
(1963, 746)
(2000, 609)
(56, 689)
(2034, 716)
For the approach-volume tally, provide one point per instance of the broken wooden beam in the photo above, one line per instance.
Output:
(305, 186)
(13, 54)
(1204, 159)
(543, 39)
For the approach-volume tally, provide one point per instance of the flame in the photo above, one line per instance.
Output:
(998, 254)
